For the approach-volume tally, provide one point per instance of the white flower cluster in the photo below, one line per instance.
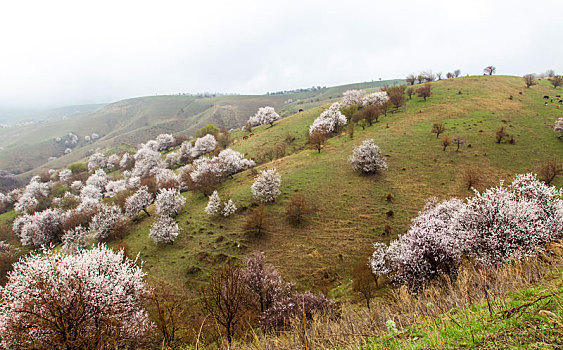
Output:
(367, 158)
(140, 200)
(351, 97)
(169, 202)
(497, 225)
(96, 161)
(203, 145)
(215, 207)
(101, 288)
(165, 230)
(164, 142)
(375, 98)
(266, 186)
(264, 115)
(329, 120)
(38, 229)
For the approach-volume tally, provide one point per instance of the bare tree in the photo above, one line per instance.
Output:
(410, 92)
(396, 95)
(168, 312)
(529, 80)
(490, 70)
(471, 177)
(424, 91)
(501, 134)
(363, 282)
(439, 75)
(420, 78)
(549, 170)
(457, 73)
(429, 76)
(446, 141)
(227, 298)
(438, 128)
(458, 141)
(411, 79)
(449, 75)
(557, 81)
(317, 139)
(256, 220)
(371, 114)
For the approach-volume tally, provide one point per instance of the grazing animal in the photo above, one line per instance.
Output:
(300, 109)
(560, 101)
(545, 104)
(558, 96)
(251, 134)
(245, 137)
(551, 100)
(546, 97)
(519, 92)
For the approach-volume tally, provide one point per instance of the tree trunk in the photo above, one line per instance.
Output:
(146, 212)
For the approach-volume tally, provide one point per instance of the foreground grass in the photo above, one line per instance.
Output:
(527, 319)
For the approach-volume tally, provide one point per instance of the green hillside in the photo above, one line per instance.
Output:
(26, 149)
(350, 209)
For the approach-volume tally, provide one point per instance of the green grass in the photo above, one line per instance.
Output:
(350, 207)
(526, 319)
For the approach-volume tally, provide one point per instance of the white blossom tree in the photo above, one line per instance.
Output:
(229, 208)
(351, 97)
(39, 229)
(96, 161)
(65, 175)
(266, 186)
(169, 202)
(214, 204)
(114, 187)
(166, 178)
(26, 203)
(105, 221)
(76, 239)
(367, 158)
(375, 98)
(113, 162)
(165, 142)
(92, 192)
(93, 299)
(140, 200)
(127, 161)
(204, 145)
(146, 159)
(165, 230)
(76, 185)
(264, 115)
(329, 120)
(231, 162)
(98, 179)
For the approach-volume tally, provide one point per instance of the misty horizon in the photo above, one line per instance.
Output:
(64, 53)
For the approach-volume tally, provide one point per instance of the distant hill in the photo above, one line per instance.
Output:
(27, 148)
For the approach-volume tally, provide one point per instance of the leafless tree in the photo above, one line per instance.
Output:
(411, 79)
(363, 282)
(424, 91)
(529, 80)
(438, 128)
(226, 298)
(457, 73)
(490, 70)
(549, 170)
(557, 81)
(446, 141)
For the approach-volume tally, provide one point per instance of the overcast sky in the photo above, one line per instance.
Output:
(56, 53)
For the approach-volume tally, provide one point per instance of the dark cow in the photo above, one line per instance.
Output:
(300, 109)
(558, 96)
(560, 101)
(519, 92)
(546, 97)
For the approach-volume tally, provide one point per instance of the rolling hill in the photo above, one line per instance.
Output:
(350, 209)
(26, 149)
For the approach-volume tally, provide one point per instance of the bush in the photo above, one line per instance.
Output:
(297, 208)
(78, 168)
(256, 221)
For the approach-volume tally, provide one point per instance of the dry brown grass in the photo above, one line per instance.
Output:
(472, 285)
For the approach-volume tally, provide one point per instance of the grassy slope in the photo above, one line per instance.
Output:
(350, 207)
(535, 323)
(132, 121)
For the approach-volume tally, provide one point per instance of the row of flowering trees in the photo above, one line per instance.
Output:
(499, 224)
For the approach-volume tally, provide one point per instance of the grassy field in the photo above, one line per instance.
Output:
(527, 319)
(350, 209)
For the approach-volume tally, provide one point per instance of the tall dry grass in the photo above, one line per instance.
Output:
(354, 324)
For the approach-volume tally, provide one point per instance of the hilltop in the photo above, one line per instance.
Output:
(122, 125)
